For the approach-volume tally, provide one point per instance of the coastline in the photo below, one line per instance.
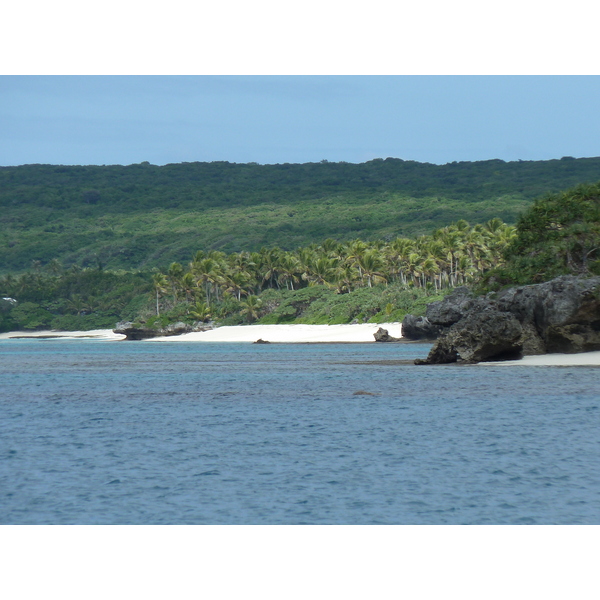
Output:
(48, 334)
(301, 334)
(581, 359)
(287, 334)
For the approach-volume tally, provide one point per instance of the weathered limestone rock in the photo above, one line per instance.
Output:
(575, 337)
(531, 342)
(177, 329)
(565, 312)
(382, 335)
(489, 335)
(562, 315)
(127, 329)
(419, 328)
(440, 354)
(452, 308)
(135, 333)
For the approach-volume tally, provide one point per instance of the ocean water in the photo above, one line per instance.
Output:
(96, 432)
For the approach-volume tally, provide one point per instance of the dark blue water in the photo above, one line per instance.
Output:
(96, 432)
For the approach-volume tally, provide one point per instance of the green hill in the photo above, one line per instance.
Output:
(141, 216)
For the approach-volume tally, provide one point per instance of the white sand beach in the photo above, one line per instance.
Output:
(548, 360)
(94, 334)
(289, 334)
(242, 333)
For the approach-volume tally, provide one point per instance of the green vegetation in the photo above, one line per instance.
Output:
(319, 305)
(75, 226)
(332, 282)
(70, 300)
(142, 216)
(558, 235)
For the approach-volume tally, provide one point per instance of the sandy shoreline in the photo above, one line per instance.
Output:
(289, 334)
(94, 334)
(298, 334)
(582, 359)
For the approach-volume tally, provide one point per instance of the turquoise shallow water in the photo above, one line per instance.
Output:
(96, 432)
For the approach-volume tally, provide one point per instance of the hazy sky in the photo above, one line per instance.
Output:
(277, 119)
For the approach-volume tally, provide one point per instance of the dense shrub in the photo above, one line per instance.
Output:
(558, 235)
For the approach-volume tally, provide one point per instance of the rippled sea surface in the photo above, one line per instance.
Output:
(95, 432)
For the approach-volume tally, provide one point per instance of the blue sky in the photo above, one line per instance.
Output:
(277, 119)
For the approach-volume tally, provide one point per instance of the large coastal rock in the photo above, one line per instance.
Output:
(562, 315)
(419, 328)
(452, 308)
(564, 311)
(479, 336)
(144, 333)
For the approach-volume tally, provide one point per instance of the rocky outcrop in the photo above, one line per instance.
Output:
(419, 328)
(562, 315)
(382, 335)
(479, 336)
(564, 311)
(452, 308)
(133, 332)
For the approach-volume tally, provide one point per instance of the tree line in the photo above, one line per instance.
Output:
(451, 256)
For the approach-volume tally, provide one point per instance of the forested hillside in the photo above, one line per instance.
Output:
(331, 282)
(142, 216)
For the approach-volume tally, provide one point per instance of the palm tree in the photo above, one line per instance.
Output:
(320, 271)
(332, 248)
(174, 275)
(395, 255)
(289, 267)
(207, 274)
(344, 278)
(370, 264)
(451, 240)
(465, 269)
(499, 240)
(200, 311)
(160, 283)
(90, 304)
(414, 267)
(354, 250)
(9, 282)
(188, 285)
(270, 265)
(429, 269)
(254, 267)
(76, 304)
(250, 307)
(237, 282)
